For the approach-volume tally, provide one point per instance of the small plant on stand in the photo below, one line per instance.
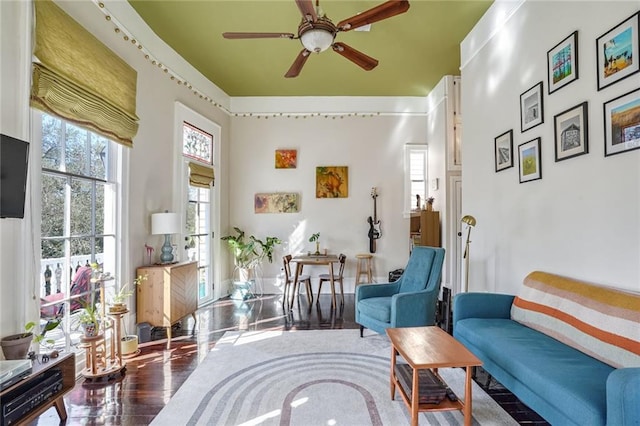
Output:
(316, 238)
(118, 304)
(90, 320)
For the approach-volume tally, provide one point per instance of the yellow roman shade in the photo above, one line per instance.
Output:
(78, 78)
(201, 176)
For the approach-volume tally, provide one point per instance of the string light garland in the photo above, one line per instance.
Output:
(174, 76)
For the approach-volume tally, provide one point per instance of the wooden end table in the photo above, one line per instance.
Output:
(430, 348)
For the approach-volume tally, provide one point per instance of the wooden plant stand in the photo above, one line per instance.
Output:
(103, 352)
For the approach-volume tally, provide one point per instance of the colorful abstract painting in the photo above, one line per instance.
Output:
(277, 202)
(332, 182)
(286, 158)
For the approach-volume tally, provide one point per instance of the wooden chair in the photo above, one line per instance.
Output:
(288, 282)
(336, 278)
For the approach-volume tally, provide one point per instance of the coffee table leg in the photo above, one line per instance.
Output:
(414, 399)
(467, 398)
(393, 369)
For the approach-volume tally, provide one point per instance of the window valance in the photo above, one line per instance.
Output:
(201, 176)
(79, 79)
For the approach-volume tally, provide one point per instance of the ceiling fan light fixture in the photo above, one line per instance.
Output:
(317, 40)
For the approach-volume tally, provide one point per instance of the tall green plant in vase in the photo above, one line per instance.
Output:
(249, 253)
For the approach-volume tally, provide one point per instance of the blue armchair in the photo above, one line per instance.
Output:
(408, 302)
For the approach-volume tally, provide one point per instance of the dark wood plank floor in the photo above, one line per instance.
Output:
(156, 373)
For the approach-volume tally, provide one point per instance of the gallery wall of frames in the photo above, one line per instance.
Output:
(617, 59)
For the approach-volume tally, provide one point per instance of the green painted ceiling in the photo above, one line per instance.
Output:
(415, 49)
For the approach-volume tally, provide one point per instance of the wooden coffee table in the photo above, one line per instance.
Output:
(430, 348)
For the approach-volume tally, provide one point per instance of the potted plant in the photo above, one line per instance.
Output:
(117, 304)
(247, 254)
(90, 320)
(316, 237)
(16, 346)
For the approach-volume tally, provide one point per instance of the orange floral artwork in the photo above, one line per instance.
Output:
(286, 158)
(332, 182)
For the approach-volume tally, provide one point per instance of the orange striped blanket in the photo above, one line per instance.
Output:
(599, 321)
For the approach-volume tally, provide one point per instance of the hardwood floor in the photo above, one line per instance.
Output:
(156, 373)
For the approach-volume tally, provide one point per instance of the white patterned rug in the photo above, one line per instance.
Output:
(321, 377)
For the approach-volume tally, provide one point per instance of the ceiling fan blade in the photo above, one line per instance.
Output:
(235, 36)
(378, 13)
(298, 64)
(308, 10)
(355, 56)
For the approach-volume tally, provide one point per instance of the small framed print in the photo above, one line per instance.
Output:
(286, 158)
(504, 151)
(562, 63)
(531, 108)
(617, 52)
(622, 123)
(276, 202)
(529, 159)
(571, 129)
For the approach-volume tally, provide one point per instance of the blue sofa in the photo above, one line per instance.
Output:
(561, 383)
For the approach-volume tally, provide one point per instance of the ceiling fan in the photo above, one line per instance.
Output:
(317, 32)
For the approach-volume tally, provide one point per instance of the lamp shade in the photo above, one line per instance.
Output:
(469, 220)
(165, 223)
(317, 40)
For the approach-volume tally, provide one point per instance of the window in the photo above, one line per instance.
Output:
(78, 218)
(415, 176)
(198, 146)
(198, 237)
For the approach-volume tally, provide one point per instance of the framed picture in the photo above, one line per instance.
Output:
(504, 151)
(617, 52)
(277, 202)
(332, 182)
(571, 129)
(622, 123)
(286, 158)
(562, 63)
(529, 159)
(531, 109)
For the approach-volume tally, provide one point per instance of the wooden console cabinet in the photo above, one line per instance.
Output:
(425, 228)
(67, 365)
(169, 294)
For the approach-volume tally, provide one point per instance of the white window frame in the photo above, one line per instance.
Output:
(409, 203)
(119, 163)
(183, 113)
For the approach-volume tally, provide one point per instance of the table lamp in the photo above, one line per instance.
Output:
(470, 221)
(165, 223)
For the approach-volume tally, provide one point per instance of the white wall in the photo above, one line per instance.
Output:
(151, 161)
(582, 218)
(372, 148)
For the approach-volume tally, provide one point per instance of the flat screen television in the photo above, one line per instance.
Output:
(14, 162)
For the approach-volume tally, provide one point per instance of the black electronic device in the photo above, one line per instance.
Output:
(14, 163)
(12, 371)
(29, 396)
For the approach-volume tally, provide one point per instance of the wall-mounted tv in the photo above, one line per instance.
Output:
(14, 162)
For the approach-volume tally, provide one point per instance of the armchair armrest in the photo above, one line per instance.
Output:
(623, 397)
(365, 291)
(413, 309)
(481, 305)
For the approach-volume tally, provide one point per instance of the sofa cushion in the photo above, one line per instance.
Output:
(378, 308)
(564, 377)
(602, 322)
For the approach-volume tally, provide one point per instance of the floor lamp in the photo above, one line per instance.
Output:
(470, 221)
